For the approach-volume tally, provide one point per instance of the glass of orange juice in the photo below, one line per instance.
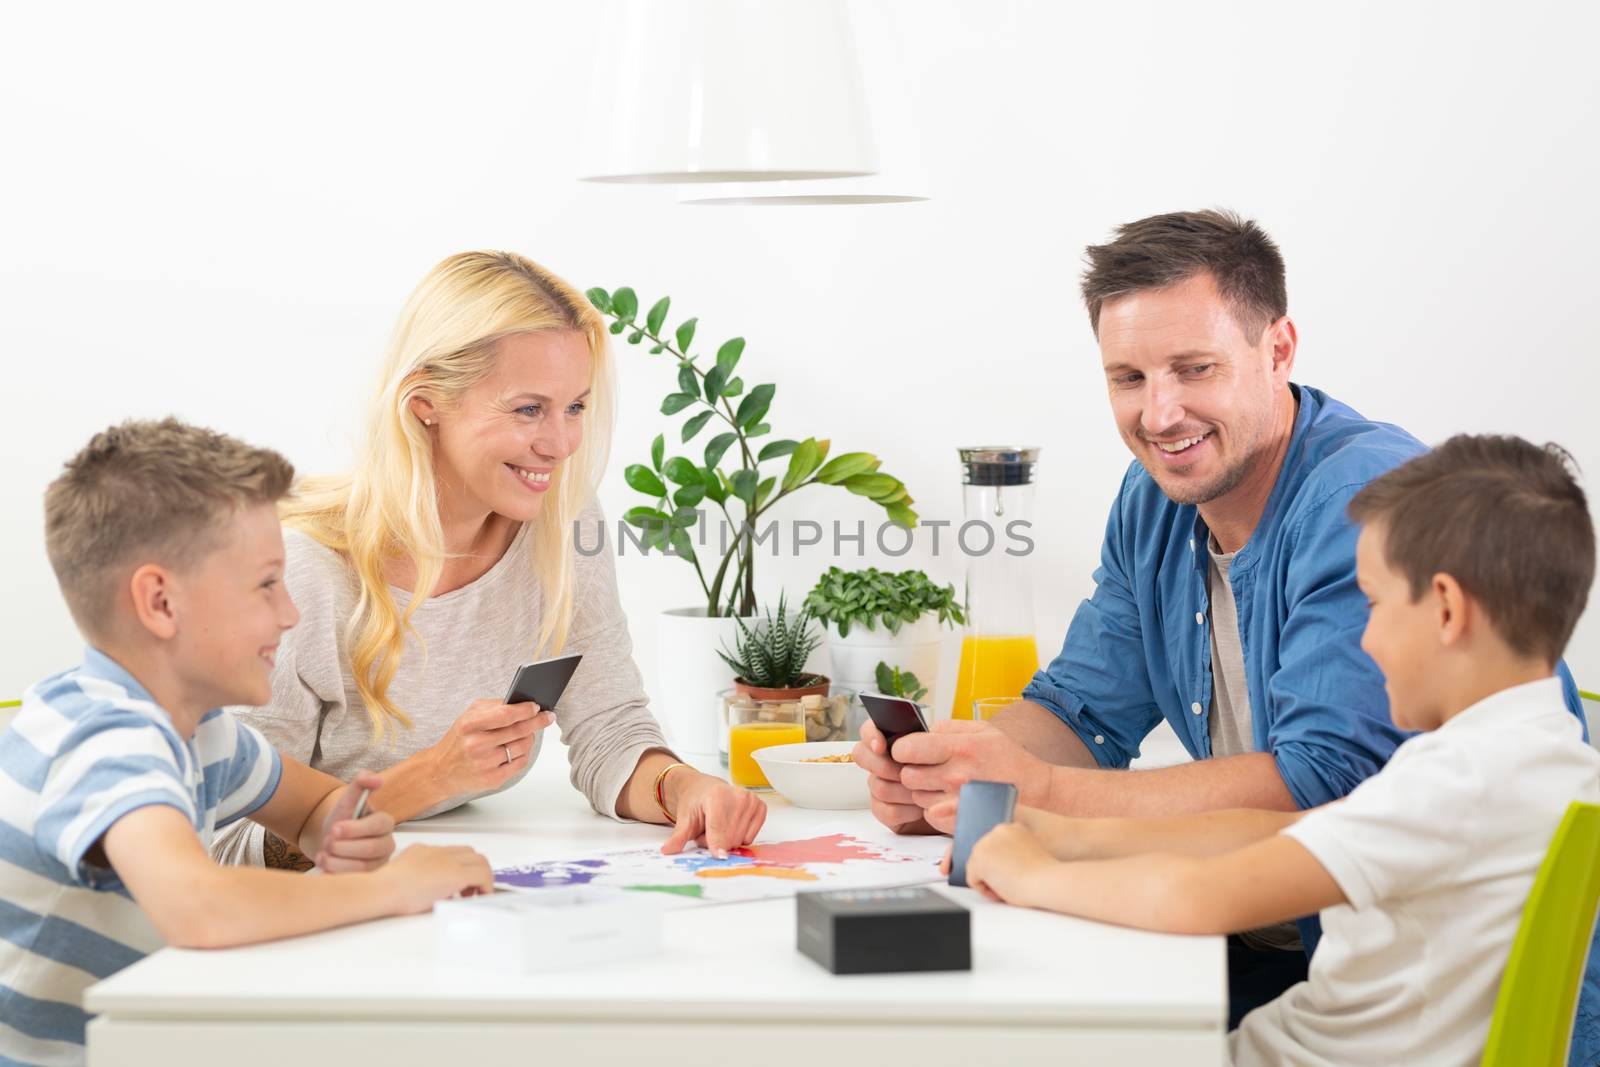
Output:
(757, 724)
(986, 708)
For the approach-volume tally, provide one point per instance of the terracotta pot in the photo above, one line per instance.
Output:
(755, 692)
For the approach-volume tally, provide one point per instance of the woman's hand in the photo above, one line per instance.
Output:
(710, 811)
(1007, 863)
(486, 747)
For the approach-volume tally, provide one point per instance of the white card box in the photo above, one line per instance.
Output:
(545, 929)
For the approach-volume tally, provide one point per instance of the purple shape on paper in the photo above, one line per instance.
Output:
(541, 875)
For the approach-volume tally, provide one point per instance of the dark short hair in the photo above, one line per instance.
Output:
(157, 489)
(1164, 250)
(1502, 516)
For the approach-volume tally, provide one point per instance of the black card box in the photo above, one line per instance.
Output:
(872, 931)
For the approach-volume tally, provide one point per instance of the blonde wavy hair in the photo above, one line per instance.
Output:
(387, 508)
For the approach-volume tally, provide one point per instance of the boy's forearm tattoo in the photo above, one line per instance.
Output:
(281, 855)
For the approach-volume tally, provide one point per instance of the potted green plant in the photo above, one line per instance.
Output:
(769, 658)
(737, 477)
(874, 617)
(894, 682)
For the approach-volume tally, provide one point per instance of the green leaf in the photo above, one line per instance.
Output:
(717, 446)
(758, 429)
(658, 315)
(635, 337)
(682, 545)
(802, 462)
(871, 484)
(764, 490)
(689, 495)
(752, 407)
(685, 517)
(683, 471)
(686, 335)
(642, 478)
(688, 381)
(899, 496)
(600, 299)
(658, 448)
(676, 402)
(642, 517)
(618, 327)
(885, 678)
(848, 465)
(714, 488)
(655, 536)
(715, 380)
(656, 350)
(625, 304)
(696, 424)
(774, 449)
(901, 515)
(892, 495)
(734, 387)
(744, 483)
(728, 355)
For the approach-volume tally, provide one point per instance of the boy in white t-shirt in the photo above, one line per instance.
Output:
(1476, 560)
(115, 774)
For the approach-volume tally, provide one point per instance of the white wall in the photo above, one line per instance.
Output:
(216, 211)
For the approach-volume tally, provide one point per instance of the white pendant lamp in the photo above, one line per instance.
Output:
(869, 190)
(726, 91)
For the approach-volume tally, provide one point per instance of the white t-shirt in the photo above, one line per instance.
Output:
(1436, 854)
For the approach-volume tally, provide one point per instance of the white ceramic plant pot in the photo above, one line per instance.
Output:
(690, 675)
(855, 658)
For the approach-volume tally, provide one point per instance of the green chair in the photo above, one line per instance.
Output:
(1538, 999)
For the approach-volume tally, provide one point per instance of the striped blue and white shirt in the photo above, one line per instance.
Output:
(88, 746)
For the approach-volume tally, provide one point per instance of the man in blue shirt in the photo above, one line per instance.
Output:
(1225, 601)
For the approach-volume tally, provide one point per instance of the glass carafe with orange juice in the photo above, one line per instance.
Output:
(999, 655)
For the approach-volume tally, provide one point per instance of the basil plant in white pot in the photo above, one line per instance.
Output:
(874, 618)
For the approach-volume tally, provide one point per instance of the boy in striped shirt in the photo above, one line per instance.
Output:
(116, 773)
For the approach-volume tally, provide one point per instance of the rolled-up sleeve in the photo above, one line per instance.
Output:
(1330, 727)
(604, 715)
(1098, 684)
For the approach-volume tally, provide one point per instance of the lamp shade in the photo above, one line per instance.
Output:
(726, 90)
(869, 190)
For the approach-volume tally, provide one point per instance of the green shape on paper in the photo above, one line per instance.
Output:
(682, 890)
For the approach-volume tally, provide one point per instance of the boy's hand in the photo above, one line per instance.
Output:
(1063, 837)
(1006, 864)
(487, 746)
(423, 874)
(362, 844)
(717, 815)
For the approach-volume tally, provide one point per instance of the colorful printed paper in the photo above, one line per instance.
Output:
(759, 871)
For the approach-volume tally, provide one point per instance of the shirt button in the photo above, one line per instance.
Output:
(1200, 618)
(1195, 707)
(1099, 739)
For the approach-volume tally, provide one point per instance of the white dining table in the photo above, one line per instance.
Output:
(729, 985)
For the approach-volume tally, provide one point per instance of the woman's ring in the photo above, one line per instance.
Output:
(508, 752)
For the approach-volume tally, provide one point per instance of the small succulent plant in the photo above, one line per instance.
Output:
(772, 654)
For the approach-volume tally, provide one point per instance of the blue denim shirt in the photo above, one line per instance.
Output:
(1139, 649)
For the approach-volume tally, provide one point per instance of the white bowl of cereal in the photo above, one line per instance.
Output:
(815, 774)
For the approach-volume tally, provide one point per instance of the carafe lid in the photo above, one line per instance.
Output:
(998, 464)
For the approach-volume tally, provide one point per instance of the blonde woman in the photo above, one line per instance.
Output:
(445, 559)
